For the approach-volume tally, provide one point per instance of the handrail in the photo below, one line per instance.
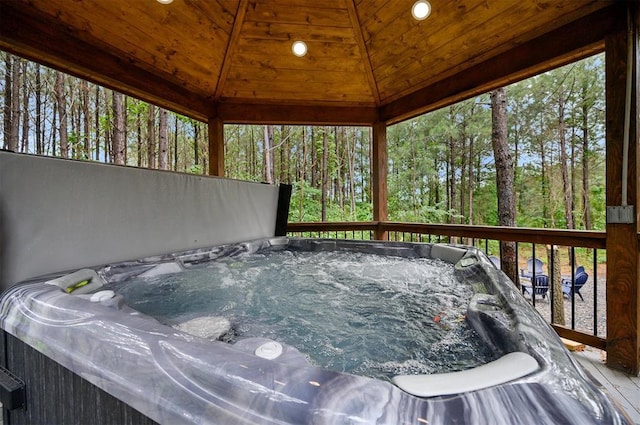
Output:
(582, 238)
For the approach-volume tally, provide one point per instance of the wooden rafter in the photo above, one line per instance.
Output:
(357, 29)
(232, 46)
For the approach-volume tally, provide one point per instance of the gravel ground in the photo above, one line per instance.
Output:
(584, 315)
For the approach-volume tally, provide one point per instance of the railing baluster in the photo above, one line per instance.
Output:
(573, 288)
(553, 286)
(595, 292)
(533, 277)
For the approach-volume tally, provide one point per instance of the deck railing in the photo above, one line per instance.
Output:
(587, 318)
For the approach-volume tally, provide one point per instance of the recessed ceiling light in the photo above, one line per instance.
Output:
(165, 1)
(299, 48)
(421, 10)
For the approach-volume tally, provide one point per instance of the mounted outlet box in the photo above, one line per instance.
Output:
(620, 214)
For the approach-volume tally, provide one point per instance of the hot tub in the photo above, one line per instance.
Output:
(211, 368)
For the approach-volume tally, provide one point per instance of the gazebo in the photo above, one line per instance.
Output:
(367, 63)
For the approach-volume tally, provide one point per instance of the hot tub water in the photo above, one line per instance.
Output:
(361, 313)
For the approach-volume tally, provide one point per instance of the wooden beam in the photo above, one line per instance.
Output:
(593, 341)
(567, 44)
(357, 28)
(216, 147)
(253, 113)
(379, 176)
(623, 292)
(232, 46)
(37, 37)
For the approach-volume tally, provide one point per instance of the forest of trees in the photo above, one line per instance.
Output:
(441, 165)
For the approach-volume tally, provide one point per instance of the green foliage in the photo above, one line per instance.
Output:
(440, 165)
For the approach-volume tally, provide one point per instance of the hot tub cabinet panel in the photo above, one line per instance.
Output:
(116, 365)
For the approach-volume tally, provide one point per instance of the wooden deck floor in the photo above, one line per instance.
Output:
(623, 388)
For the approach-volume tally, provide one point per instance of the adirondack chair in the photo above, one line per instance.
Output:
(495, 260)
(541, 286)
(580, 278)
(534, 266)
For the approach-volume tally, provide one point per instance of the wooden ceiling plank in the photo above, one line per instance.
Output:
(369, 8)
(267, 75)
(395, 80)
(569, 43)
(405, 37)
(393, 15)
(248, 113)
(275, 11)
(242, 88)
(286, 90)
(216, 9)
(355, 22)
(180, 58)
(321, 56)
(37, 37)
(288, 32)
(232, 46)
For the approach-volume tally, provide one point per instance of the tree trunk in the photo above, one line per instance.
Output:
(54, 133)
(324, 174)
(15, 105)
(118, 129)
(151, 137)
(463, 171)
(282, 175)
(414, 174)
(196, 146)
(86, 146)
(267, 154)
(139, 135)
(61, 106)
(74, 121)
(337, 183)
(175, 142)
(558, 300)
(504, 180)
(125, 110)
(471, 181)
(163, 140)
(303, 175)
(451, 173)
(544, 182)
(585, 161)
(351, 162)
(24, 144)
(563, 162)
(97, 122)
(39, 129)
(8, 85)
(314, 160)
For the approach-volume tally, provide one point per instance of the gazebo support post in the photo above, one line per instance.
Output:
(379, 176)
(216, 147)
(623, 292)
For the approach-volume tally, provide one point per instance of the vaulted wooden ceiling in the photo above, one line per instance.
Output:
(367, 60)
